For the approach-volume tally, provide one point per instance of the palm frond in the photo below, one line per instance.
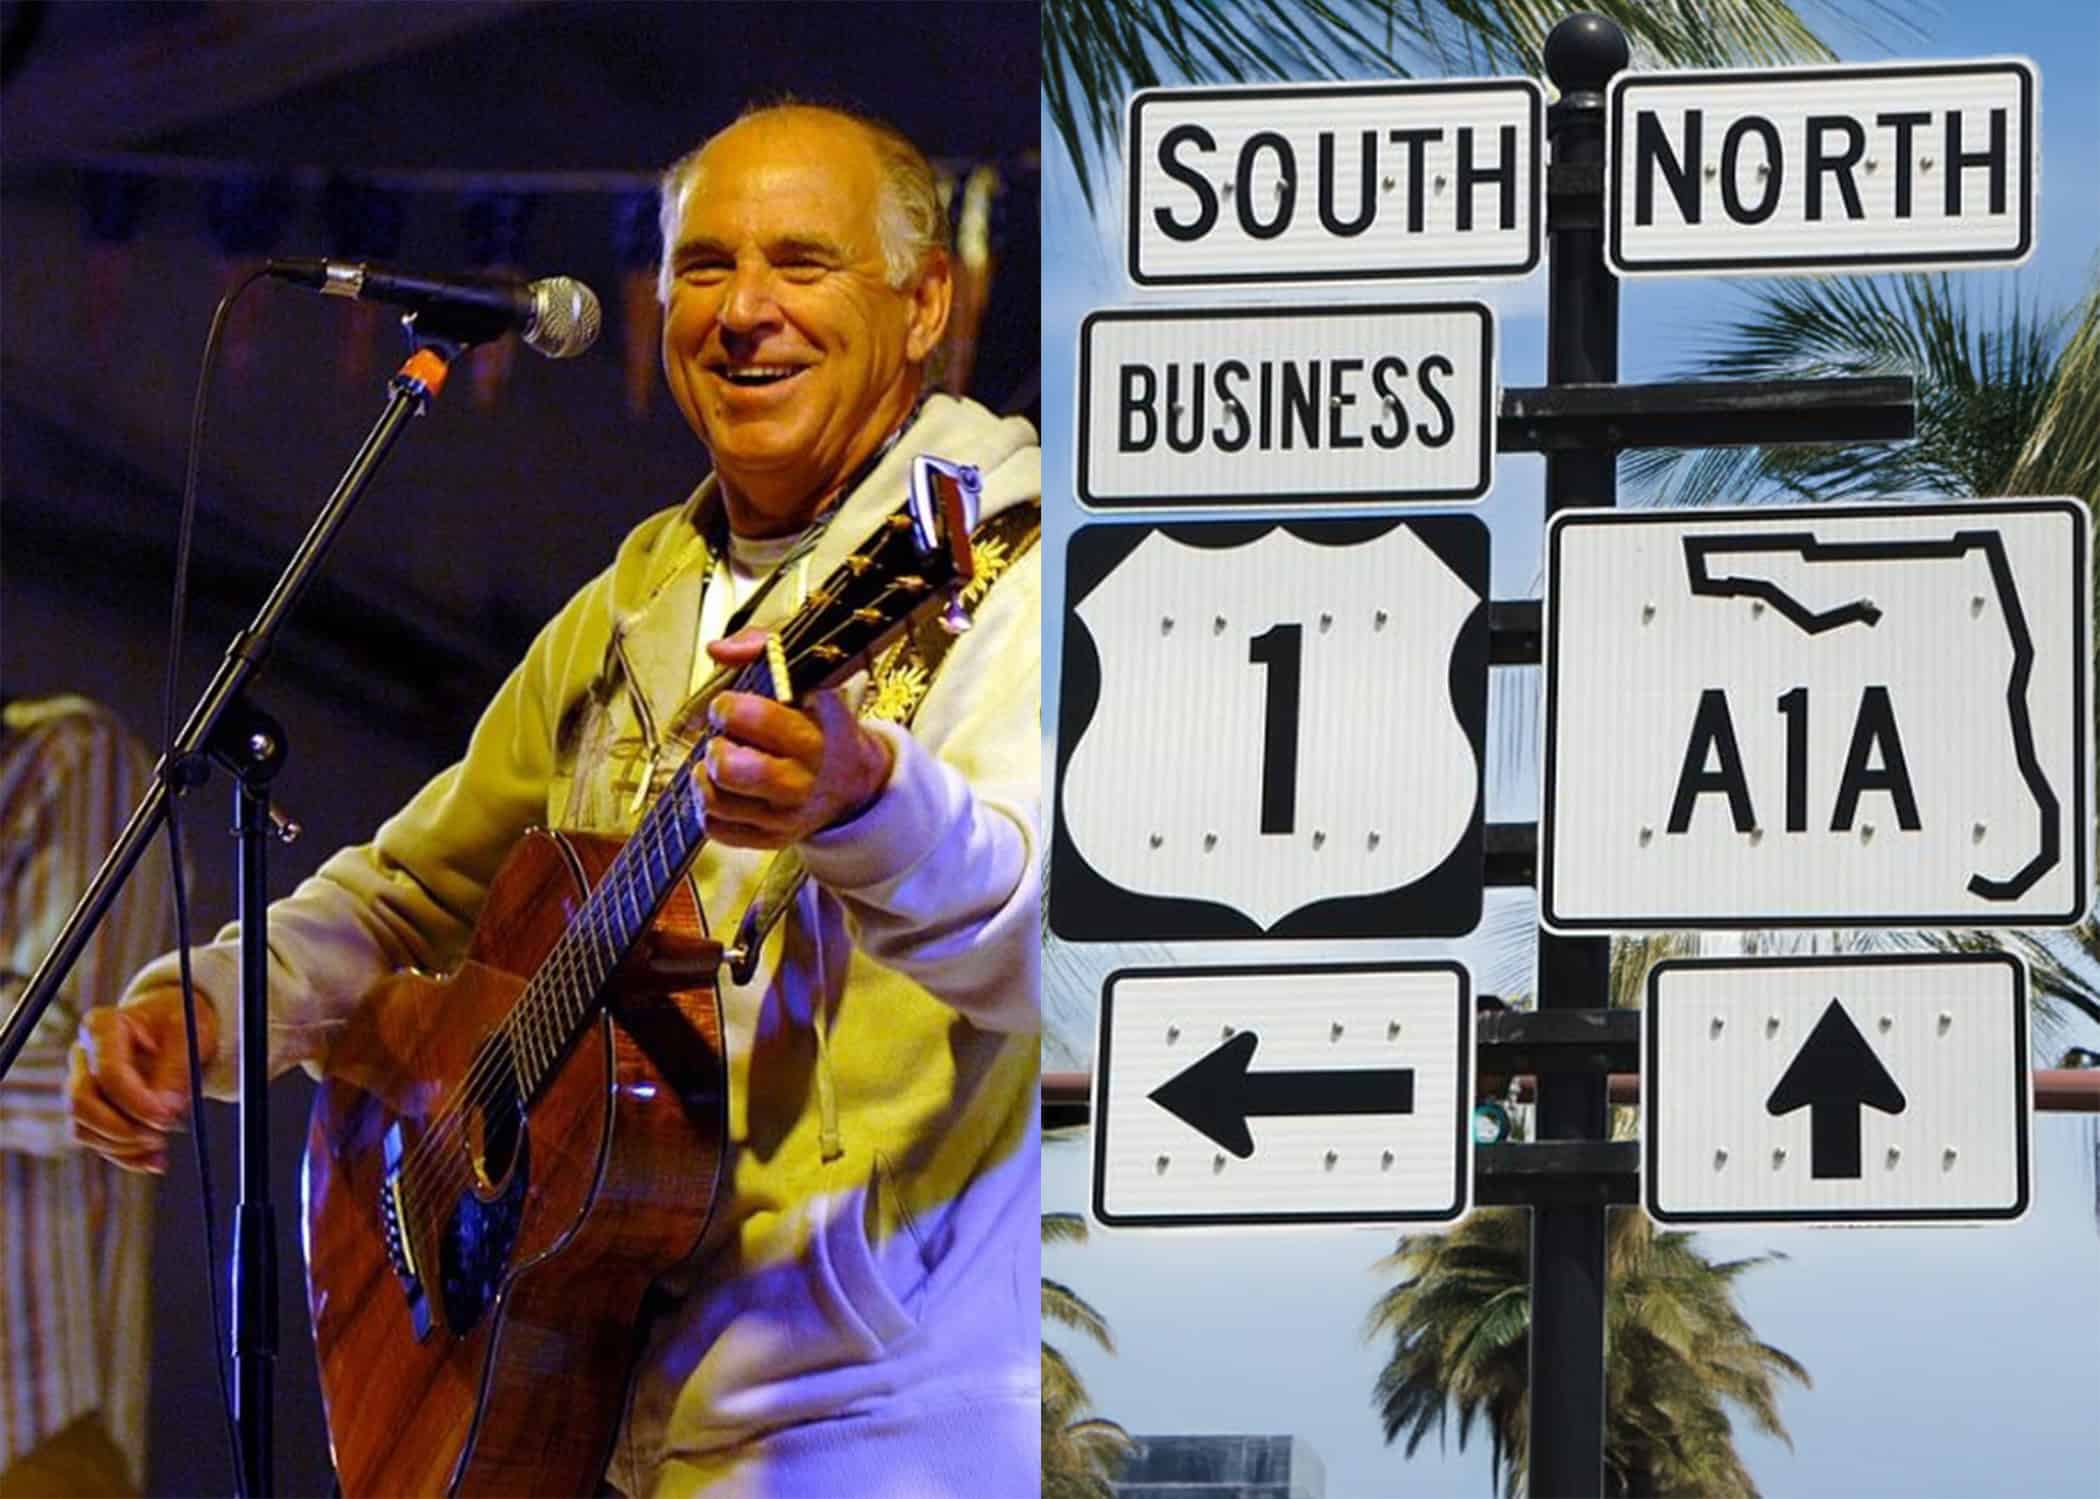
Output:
(1679, 1353)
(1064, 1228)
(1081, 1453)
(1984, 384)
(2058, 986)
(2062, 451)
(1096, 53)
(1064, 1306)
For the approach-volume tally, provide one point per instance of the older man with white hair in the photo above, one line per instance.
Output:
(862, 1314)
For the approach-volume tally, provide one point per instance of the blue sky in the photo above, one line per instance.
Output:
(1947, 1362)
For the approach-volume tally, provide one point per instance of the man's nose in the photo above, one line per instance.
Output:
(747, 302)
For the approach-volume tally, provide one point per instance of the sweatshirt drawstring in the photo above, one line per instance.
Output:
(829, 1146)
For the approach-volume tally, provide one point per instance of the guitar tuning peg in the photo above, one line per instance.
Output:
(955, 619)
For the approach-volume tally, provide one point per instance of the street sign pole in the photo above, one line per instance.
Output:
(1582, 347)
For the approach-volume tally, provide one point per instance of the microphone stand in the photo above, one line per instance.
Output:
(224, 726)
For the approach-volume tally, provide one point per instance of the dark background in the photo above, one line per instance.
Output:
(485, 519)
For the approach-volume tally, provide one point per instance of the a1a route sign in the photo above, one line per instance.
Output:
(1331, 1094)
(1257, 186)
(1271, 730)
(1830, 716)
(1781, 171)
(1286, 405)
(1889, 1088)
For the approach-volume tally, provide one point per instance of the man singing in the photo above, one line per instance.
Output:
(862, 1315)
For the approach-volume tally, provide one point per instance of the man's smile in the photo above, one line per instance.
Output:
(759, 374)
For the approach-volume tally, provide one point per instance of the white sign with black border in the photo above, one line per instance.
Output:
(1271, 730)
(1332, 182)
(1338, 1093)
(1286, 406)
(1884, 1088)
(1864, 715)
(1783, 171)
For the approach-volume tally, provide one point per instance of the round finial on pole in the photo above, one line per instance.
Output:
(1583, 51)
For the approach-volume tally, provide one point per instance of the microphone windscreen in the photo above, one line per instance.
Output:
(566, 317)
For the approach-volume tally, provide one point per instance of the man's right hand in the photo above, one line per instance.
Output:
(129, 1088)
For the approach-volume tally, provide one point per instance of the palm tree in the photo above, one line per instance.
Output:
(2008, 403)
(1080, 1453)
(1679, 1354)
(1096, 52)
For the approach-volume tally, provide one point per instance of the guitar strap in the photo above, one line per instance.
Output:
(897, 684)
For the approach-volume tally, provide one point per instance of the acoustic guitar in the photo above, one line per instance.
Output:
(500, 1163)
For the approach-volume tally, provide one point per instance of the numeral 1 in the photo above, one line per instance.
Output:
(1281, 650)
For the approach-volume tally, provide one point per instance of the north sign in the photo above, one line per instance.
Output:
(1290, 1094)
(1776, 171)
(1830, 716)
(1271, 730)
(1286, 405)
(1267, 185)
(1886, 1088)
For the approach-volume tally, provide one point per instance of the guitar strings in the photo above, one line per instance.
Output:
(531, 1022)
(530, 1029)
(529, 1016)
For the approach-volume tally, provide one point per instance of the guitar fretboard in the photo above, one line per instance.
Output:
(566, 990)
(866, 600)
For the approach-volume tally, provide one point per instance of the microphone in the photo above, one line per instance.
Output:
(557, 316)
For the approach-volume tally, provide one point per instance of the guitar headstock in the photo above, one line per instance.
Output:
(919, 557)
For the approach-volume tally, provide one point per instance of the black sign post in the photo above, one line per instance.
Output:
(1574, 973)
(1581, 420)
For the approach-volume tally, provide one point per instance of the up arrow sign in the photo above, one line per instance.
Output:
(1834, 1076)
(1720, 1143)
(1218, 1095)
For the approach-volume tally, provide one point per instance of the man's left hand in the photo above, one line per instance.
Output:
(775, 774)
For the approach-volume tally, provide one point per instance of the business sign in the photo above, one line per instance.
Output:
(1828, 716)
(1286, 405)
(1271, 730)
(1335, 182)
(1773, 171)
(1846, 1089)
(1337, 1094)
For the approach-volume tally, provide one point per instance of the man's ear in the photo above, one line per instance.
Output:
(931, 299)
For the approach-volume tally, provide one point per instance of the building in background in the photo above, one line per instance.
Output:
(1222, 1467)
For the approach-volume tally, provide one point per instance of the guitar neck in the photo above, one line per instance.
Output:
(875, 594)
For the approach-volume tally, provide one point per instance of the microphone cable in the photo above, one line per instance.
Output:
(186, 526)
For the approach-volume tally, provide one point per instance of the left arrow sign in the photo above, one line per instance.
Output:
(1218, 1095)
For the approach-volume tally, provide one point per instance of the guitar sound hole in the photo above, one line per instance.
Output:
(482, 1227)
(495, 1130)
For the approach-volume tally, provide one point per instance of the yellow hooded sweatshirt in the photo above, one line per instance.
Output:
(863, 1316)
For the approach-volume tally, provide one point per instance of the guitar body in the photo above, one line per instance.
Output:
(478, 1267)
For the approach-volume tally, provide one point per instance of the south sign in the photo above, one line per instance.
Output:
(1335, 182)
